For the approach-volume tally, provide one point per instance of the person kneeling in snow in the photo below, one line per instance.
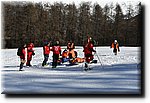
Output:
(65, 57)
(88, 49)
(115, 45)
(71, 52)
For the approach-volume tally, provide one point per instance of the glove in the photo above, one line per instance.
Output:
(33, 53)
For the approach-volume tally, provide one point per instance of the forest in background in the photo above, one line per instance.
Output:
(39, 22)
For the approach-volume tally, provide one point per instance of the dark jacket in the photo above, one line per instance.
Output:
(23, 54)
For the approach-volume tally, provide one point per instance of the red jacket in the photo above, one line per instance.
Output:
(88, 48)
(23, 54)
(56, 49)
(46, 50)
(30, 49)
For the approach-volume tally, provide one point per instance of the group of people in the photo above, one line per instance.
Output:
(56, 53)
(22, 53)
(68, 54)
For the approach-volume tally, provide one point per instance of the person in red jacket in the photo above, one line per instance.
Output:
(88, 49)
(46, 52)
(56, 52)
(22, 53)
(30, 53)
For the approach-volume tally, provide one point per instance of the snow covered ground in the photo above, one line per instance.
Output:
(118, 74)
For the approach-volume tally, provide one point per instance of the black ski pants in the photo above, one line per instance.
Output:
(55, 59)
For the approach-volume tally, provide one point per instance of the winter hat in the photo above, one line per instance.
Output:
(45, 43)
(57, 42)
(115, 41)
(65, 50)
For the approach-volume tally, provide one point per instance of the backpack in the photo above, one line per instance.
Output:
(19, 52)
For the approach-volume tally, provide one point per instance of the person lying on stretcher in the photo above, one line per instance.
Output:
(65, 57)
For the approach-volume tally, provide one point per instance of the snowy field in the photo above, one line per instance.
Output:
(118, 74)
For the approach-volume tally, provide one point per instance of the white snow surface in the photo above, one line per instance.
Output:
(113, 74)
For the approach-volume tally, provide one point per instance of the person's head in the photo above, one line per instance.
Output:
(31, 44)
(89, 39)
(49, 43)
(115, 41)
(45, 43)
(24, 45)
(57, 42)
(69, 43)
(65, 50)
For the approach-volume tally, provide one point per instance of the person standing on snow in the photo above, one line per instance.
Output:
(30, 53)
(46, 52)
(115, 45)
(56, 53)
(22, 53)
(88, 49)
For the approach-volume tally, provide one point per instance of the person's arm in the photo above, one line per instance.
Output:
(111, 45)
(43, 49)
(60, 50)
(94, 50)
(91, 48)
(68, 46)
(24, 53)
(72, 46)
(30, 49)
(33, 53)
(118, 48)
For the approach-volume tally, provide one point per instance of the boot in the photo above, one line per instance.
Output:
(28, 64)
(86, 65)
(21, 66)
(43, 64)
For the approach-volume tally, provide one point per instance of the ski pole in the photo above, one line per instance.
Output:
(98, 57)
(99, 60)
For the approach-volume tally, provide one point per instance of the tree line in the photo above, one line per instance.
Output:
(39, 22)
